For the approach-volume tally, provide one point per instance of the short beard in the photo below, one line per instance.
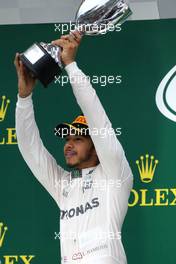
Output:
(70, 166)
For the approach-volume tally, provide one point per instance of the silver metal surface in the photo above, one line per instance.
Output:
(54, 52)
(94, 18)
(97, 16)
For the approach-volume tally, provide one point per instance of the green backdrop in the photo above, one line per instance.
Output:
(140, 55)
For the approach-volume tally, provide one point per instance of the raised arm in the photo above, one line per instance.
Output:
(41, 163)
(108, 148)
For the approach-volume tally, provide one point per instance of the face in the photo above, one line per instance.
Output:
(79, 152)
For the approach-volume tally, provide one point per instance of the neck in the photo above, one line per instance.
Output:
(86, 166)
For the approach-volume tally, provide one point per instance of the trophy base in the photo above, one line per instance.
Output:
(41, 65)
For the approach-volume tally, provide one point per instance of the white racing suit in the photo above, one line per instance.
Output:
(94, 206)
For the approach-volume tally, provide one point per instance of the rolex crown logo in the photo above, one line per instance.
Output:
(146, 166)
(4, 107)
(3, 230)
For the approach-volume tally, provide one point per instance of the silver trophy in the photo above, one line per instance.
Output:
(94, 17)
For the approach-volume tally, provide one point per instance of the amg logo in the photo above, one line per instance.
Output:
(79, 209)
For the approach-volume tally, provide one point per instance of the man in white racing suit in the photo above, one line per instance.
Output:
(93, 201)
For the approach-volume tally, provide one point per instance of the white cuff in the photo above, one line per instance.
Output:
(24, 102)
(72, 67)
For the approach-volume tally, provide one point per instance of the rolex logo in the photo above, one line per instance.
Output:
(12, 258)
(146, 166)
(3, 230)
(148, 197)
(4, 106)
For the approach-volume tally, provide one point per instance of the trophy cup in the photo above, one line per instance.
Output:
(93, 17)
